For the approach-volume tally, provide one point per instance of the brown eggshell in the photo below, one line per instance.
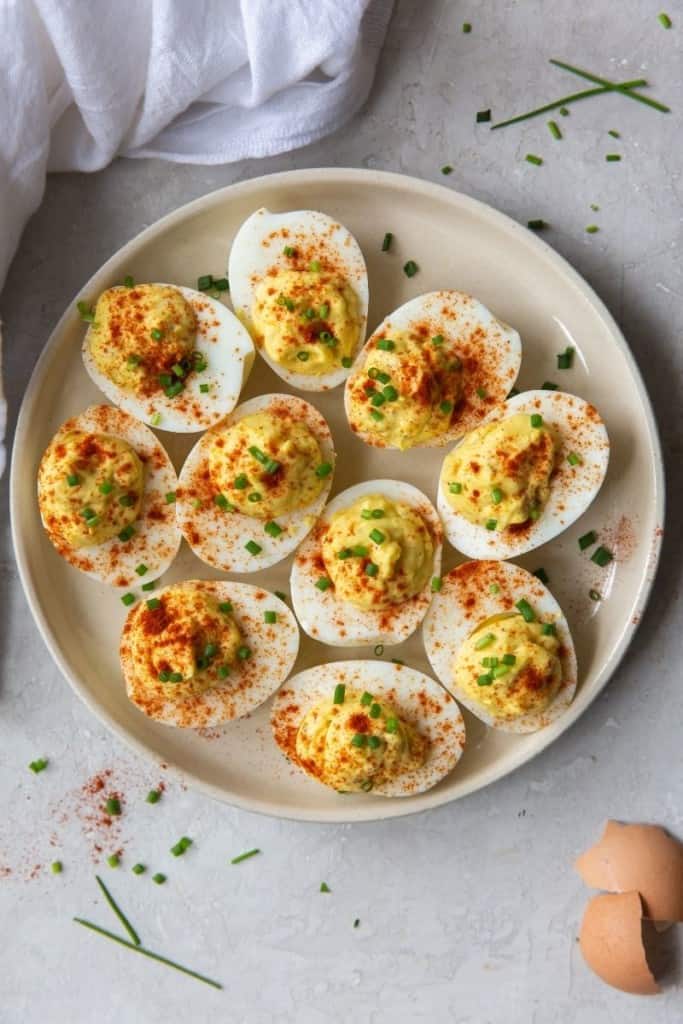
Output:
(642, 858)
(612, 944)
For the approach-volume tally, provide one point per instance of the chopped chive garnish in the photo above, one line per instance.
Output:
(204, 388)
(241, 481)
(253, 548)
(391, 724)
(564, 112)
(128, 281)
(39, 765)
(56, 867)
(243, 652)
(592, 229)
(377, 513)
(485, 680)
(587, 539)
(541, 575)
(245, 856)
(446, 407)
(531, 158)
(359, 550)
(223, 671)
(127, 500)
(175, 677)
(481, 393)
(484, 641)
(410, 268)
(536, 225)
(344, 553)
(664, 20)
(272, 529)
(377, 399)
(128, 599)
(466, 27)
(106, 487)
(86, 312)
(324, 311)
(602, 556)
(594, 595)
(366, 513)
(548, 385)
(534, 512)
(386, 241)
(483, 116)
(153, 603)
(183, 844)
(157, 335)
(155, 420)
(549, 629)
(377, 536)
(113, 806)
(573, 459)
(455, 487)
(154, 796)
(141, 569)
(73, 479)
(595, 207)
(508, 659)
(491, 524)
(221, 501)
(525, 610)
(446, 169)
(536, 420)
(314, 265)
(126, 533)
(117, 910)
(436, 584)
(138, 869)
(324, 469)
(159, 878)
(302, 357)
(324, 887)
(494, 589)
(205, 282)
(323, 583)
(614, 134)
(499, 671)
(376, 415)
(496, 495)
(346, 362)
(222, 284)
(339, 694)
(289, 250)
(170, 497)
(254, 496)
(371, 569)
(359, 739)
(379, 650)
(612, 158)
(390, 393)
(366, 698)
(374, 742)
(196, 503)
(113, 860)
(554, 129)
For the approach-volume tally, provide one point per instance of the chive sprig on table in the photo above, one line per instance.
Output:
(117, 910)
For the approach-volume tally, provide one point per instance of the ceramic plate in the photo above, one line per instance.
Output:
(457, 242)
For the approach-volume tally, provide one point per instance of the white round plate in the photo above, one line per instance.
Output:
(459, 243)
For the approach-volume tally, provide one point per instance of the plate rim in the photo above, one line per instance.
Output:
(380, 810)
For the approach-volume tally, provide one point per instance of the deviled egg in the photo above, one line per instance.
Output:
(366, 573)
(106, 493)
(369, 726)
(498, 640)
(433, 369)
(253, 486)
(171, 356)
(298, 281)
(203, 652)
(523, 476)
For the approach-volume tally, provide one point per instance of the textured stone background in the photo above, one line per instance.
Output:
(468, 914)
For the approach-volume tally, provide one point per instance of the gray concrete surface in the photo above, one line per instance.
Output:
(468, 914)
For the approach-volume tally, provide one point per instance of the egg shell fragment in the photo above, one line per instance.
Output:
(274, 648)
(640, 857)
(612, 944)
(464, 601)
(229, 353)
(156, 539)
(490, 351)
(258, 248)
(418, 699)
(572, 488)
(218, 537)
(339, 623)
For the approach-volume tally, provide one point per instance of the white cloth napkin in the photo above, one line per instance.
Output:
(197, 81)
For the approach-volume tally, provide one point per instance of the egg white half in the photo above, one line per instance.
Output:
(273, 652)
(340, 623)
(418, 699)
(464, 602)
(572, 488)
(156, 539)
(229, 353)
(258, 247)
(218, 537)
(490, 350)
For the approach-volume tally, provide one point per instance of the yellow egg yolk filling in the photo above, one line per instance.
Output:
(500, 475)
(185, 642)
(142, 338)
(308, 321)
(353, 743)
(407, 390)
(378, 552)
(510, 667)
(91, 487)
(268, 464)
